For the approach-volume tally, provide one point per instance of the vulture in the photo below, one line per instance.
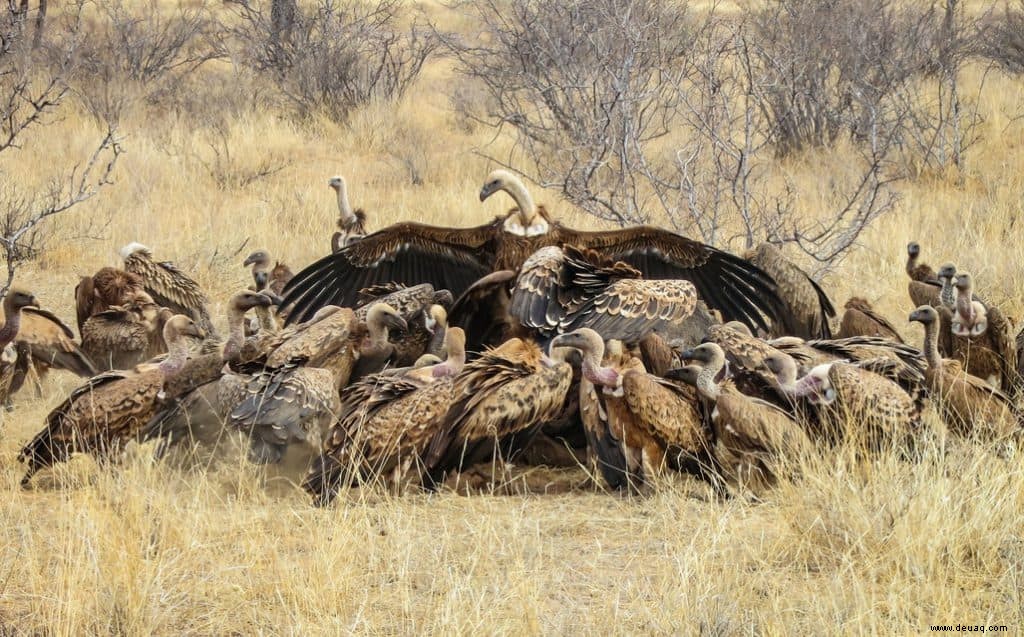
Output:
(103, 290)
(196, 403)
(455, 258)
(121, 337)
(296, 395)
(387, 423)
(906, 362)
(860, 319)
(13, 364)
(967, 403)
(916, 270)
(109, 409)
(657, 421)
(745, 355)
(502, 398)
(805, 309)
(167, 285)
(47, 342)
(856, 403)
(983, 340)
(266, 277)
(351, 223)
(755, 442)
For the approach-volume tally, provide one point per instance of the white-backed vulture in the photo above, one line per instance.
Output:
(967, 403)
(907, 363)
(502, 398)
(109, 409)
(652, 417)
(755, 442)
(860, 405)
(296, 396)
(168, 285)
(806, 309)
(124, 336)
(265, 276)
(103, 290)
(351, 223)
(191, 406)
(13, 363)
(386, 424)
(454, 258)
(980, 337)
(861, 319)
(916, 270)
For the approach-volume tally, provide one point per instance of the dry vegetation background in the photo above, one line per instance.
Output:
(218, 159)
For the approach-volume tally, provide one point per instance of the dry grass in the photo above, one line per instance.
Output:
(224, 548)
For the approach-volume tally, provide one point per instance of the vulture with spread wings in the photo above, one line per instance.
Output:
(454, 258)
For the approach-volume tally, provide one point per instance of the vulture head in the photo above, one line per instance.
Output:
(336, 182)
(947, 271)
(783, 367)
(260, 262)
(436, 318)
(246, 300)
(687, 374)
(180, 326)
(426, 361)
(913, 249)
(926, 315)
(592, 347)
(528, 222)
(816, 386)
(18, 298)
(381, 318)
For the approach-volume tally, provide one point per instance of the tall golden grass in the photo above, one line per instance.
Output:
(215, 546)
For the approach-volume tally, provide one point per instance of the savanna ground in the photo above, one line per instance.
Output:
(220, 547)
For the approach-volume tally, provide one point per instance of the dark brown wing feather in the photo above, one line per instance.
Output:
(806, 309)
(170, 287)
(51, 343)
(860, 319)
(408, 253)
(483, 311)
(737, 288)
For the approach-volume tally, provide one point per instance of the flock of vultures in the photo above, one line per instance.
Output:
(412, 353)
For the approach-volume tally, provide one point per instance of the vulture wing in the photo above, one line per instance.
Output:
(52, 342)
(408, 253)
(737, 288)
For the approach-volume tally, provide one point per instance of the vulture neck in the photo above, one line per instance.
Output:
(346, 217)
(592, 370)
(12, 323)
(931, 345)
(911, 264)
(437, 340)
(965, 307)
(266, 317)
(177, 355)
(706, 384)
(453, 364)
(236, 334)
(526, 222)
(948, 293)
(378, 332)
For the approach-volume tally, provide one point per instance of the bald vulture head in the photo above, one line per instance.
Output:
(585, 340)
(247, 299)
(17, 298)
(179, 326)
(913, 249)
(437, 316)
(528, 222)
(925, 314)
(260, 262)
(783, 367)
(381, 318)
(963, 282)
(947, 271)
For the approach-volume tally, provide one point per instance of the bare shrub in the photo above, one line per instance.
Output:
(31, 97)
(335, 57)
(637, 111)
(1003, 37)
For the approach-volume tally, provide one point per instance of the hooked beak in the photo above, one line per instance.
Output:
(485, 192)
(261, 279)
(395, 322)
(196, 331)
(273, 298)
(32, 302)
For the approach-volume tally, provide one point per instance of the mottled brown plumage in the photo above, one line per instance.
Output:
(168, 285)
(860, 405)
(509, 390)
(454, 258)
(109, 409)
(386, 424)
(968, 404)
(755, 442)
(103, 290)
(14, 361)
(860, 319)
(983, 339)
(124, 336)
(806, 309)
(856, 349)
